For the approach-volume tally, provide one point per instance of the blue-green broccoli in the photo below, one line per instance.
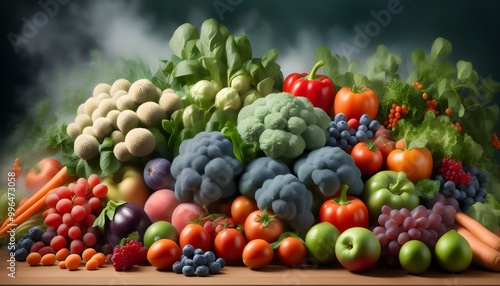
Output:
(289, 199)
(283, 125)
(328, 168)
(205, 169)
(257, 172)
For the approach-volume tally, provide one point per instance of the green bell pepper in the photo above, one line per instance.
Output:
(389, 188)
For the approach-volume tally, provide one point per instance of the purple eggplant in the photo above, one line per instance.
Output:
(119, 219)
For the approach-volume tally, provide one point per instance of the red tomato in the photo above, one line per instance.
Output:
(367, 158)
(163, 253)
(41, 174)
(229, 244)
(196, 235)
(354, 102)
(344, 211)
(262, 224)
(241, 207)
(258, 253)
(292, 251)
(417, 163)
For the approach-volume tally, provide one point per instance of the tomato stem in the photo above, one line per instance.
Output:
(342, 199)
(265, 219)
(312, 74)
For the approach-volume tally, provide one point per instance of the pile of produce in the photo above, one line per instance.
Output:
(219, 159)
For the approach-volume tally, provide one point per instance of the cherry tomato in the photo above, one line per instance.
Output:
(292, 251)
(344, 211)
(262, 224)
(163, 253)
(229, 244)
(197, 236)
(41, 174)
(367, 158)
(417, 163)
(258, 253)
(354, 102)
(241, 207)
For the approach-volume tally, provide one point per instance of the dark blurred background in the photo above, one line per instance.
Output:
(47, 39)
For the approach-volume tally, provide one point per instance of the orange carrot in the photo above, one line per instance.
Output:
(482, 254)
(478, 230)
(36, 202)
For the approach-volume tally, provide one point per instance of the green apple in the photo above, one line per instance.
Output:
(357, 249)
(127, 185)
(320, 242)
(158, 230)
(415, 257)
(452, 251)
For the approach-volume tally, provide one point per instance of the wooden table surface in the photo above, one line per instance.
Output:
(236, 275)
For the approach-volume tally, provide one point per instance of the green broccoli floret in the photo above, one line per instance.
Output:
(328, 168)
(257, 172)
(205, 169)
(289, 199)
(284, 126)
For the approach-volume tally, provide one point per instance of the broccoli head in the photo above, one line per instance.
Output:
(205, 169)
(327, 168)
(257, 172)
(283, 125)
(289, 199)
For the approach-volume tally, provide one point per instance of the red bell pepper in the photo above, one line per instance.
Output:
(319, 89)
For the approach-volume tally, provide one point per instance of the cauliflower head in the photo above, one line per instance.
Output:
(328, 168)
(257, 172)
(205, 169)
(283, 125)
(289, 199)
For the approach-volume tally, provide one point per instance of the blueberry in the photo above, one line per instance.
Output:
(374, 125)
(342, 143)
(21, 254)
(189, 262)
(342, 125)
(221, 261)
(188, 270)
(199, 259)
(330, 141)
(361, 136)
(340, 117)
(369, 134)
(26, 243)
(352, 140)
(177, 267)
(188, 250)
(198, 251)
(202, 270)
(365, 119)
(449, 185)
(210, 256)
(362, 128)
(333, 124)
(345, 135)
(470, 191)
(214, 267)
(35, 233)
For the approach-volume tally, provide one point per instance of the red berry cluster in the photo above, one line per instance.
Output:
(128, 254)
(453, 171)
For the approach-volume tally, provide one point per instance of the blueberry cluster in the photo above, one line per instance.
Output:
(346, 132)
(198, 262)
(34, 238)
(465, 194)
